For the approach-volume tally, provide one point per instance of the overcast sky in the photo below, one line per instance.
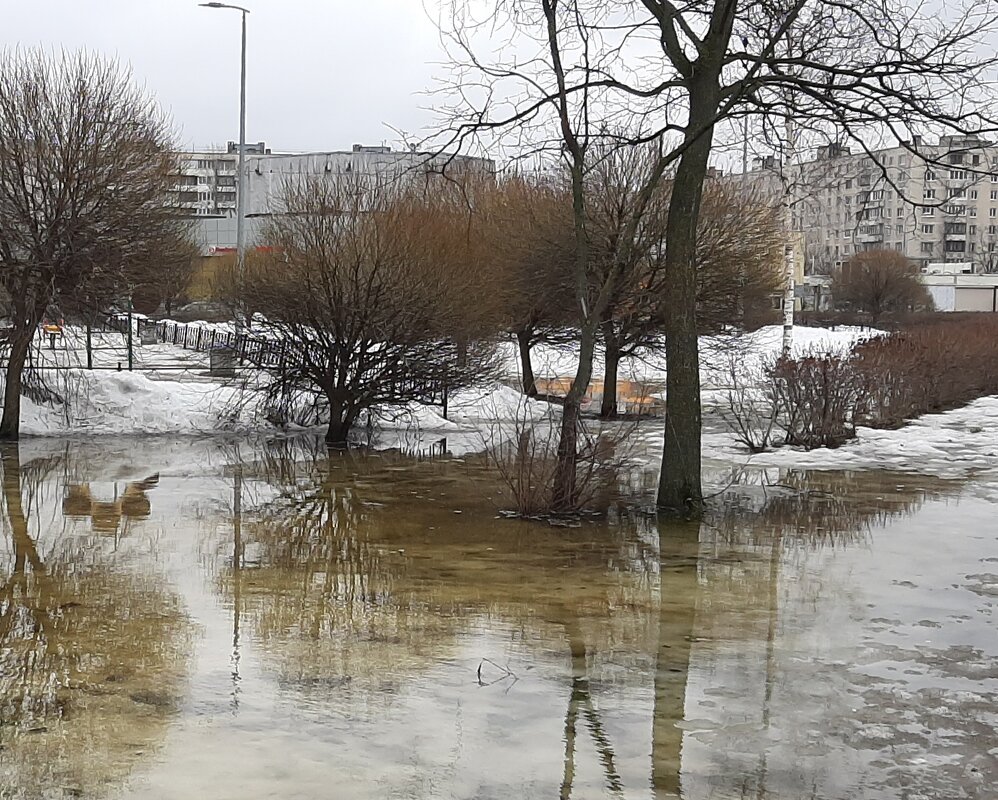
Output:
(322, 74)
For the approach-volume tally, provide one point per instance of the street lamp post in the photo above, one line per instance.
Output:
(240, 172)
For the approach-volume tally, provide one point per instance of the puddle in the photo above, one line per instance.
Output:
(217, 619)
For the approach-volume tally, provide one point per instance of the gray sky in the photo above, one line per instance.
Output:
(322, 74)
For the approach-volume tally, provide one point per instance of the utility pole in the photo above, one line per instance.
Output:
(240, 168)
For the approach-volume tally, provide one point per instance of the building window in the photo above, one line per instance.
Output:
(973, 194)
(973, 211)
(899, 229)
(994, 194)
(928, 211)
(972, 229)
(929, 194)
(957, 174)
(952, 209)
(930, 175)
(897, 246)
(926, 247)
(993, 212)
(956, 193)
(955, 247)
(928, 228)
(900, 213)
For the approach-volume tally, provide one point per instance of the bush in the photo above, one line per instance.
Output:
(815, 398)
(928, 368)
(524, 454)
(818, 400)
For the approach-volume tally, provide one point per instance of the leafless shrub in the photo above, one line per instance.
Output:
(750, 408)
(880, 281)
(524, 452)
(816, 396)
(373, 292)
(927, 368)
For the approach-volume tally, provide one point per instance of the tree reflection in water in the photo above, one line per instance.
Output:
(91, 655)
(364, 579)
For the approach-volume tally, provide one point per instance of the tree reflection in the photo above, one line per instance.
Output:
(365, 574)
(363, 578)
(820, 507)
(679, 552)
(91, 657)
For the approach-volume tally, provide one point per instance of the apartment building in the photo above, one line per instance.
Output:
(938, 206)
(206, 187)
(206, 180)
(268, 175)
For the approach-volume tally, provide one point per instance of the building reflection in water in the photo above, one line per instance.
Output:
(91, 656)
(110, 516)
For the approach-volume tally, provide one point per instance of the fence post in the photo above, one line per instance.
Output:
(130, 357)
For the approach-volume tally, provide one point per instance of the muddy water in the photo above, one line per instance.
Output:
(219, 620)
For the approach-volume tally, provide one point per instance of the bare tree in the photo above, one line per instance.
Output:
(163, 277)
(739, 258)
(526, 223)
(373, 291)
(878, 282)
(738, 266)
(844, 71)
(84, 167)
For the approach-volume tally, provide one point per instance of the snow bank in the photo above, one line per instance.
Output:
(130, 403)
(465, 410)
(499, 403)
(750, 350)
(953, 444)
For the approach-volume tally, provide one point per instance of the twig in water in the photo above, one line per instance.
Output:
(507, 673)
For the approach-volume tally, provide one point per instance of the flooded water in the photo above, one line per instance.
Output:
(214, 619)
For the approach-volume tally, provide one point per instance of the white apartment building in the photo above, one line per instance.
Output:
(206, 185)
(206, 180)
(944, 211)
(267, 175)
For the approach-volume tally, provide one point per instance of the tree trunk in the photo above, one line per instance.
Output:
(565, 494)
(10, 423)
(526, 368)
(608, 408)
(679, 488)
(341, 420)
